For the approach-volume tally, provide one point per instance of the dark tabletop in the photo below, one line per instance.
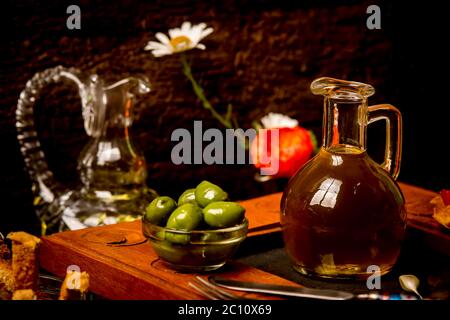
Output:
(432, 268)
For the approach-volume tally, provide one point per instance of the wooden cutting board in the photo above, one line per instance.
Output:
(132, 270)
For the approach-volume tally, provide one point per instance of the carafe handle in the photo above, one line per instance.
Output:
(393, 149)
(43, 183)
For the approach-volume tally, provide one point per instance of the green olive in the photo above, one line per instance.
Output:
(160, 235)
(186, 197)
(177, 238)
(159, 210)
(186, 217)
(213, 237)
(222, 214)
(169, 252)
(207, 192)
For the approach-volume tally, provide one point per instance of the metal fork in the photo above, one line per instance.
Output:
(212, 291)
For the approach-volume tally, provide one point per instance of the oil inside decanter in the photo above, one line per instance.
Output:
(341, 214)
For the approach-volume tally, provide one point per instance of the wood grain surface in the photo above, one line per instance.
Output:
(130, 271)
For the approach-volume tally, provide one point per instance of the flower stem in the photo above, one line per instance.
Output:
(200, 94)
(229, 121)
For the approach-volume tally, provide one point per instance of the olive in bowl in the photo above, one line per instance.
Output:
(195, 250)
(200, 232)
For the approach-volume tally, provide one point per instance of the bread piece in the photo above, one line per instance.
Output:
(24, 260)
(442, 216)
(6, 280)
(5, 254)
(75, 286)
(26, 294)
(441, 212)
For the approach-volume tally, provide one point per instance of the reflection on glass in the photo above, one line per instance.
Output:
(337, 160)
(107, 153)
(327, 193)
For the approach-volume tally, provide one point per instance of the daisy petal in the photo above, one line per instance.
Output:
(173, 33)
(160, 53)
(185, 27)
(200, 33)
(155, 45)
(195, 36)
(200, 46)
(201, 25)
(162, 38)
(149, 47)
(206, 32)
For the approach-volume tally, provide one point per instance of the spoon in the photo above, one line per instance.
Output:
(410, 283)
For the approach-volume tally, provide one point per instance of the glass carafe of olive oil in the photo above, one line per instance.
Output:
(342, 212)
(112, 186)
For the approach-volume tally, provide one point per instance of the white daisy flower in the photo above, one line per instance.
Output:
(278, 120)
(181, 39)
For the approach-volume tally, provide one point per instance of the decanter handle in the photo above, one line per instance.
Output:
(43, 182)
(393, 150)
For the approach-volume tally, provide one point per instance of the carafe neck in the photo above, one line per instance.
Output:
(345, 115)
(345, 124)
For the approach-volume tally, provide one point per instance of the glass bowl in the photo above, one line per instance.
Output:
(197, 250)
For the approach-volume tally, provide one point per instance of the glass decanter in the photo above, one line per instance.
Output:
(342, 212)
(112, 172)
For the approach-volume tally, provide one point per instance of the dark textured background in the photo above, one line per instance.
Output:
(261, 57)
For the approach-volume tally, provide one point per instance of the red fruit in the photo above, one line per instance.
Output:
(295, 149)
(445, 194)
